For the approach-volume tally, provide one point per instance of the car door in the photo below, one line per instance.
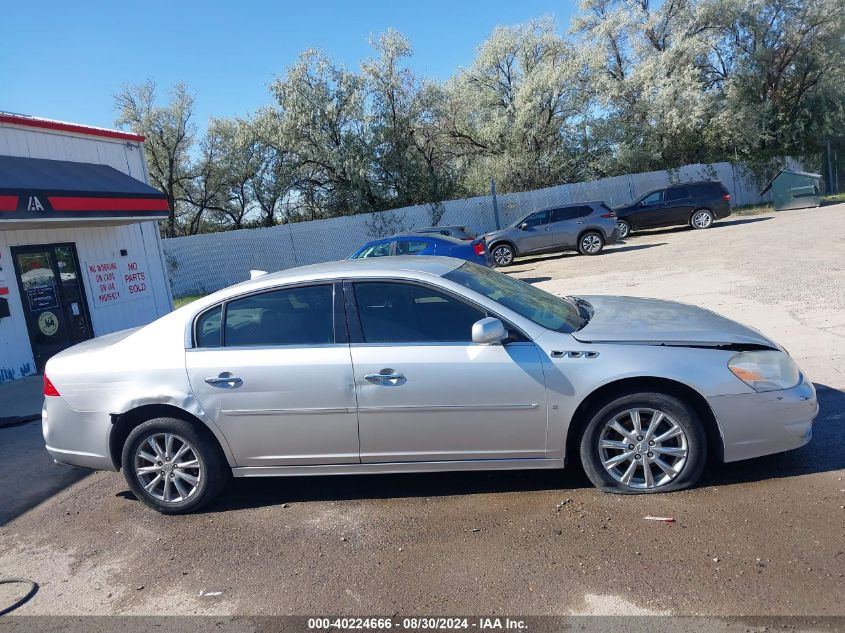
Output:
(274, 372)
(678, 206)
(567, 223)
(535, 233)
(426, 393)
(648, 210)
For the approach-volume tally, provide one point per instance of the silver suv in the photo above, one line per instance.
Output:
(584, 227)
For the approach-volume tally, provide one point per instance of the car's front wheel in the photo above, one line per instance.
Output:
(702, 219)
(591, 243)
(172, 466)
(644, 443)
(624, 229)
(503, 254)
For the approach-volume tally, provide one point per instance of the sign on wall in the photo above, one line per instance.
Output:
(117, 281)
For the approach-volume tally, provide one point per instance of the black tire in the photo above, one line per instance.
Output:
(701, 219)
(677, 412)
(624, 229)
(503, 254)
(213, 471)
(590, 243)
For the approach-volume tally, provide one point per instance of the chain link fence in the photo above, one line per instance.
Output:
(201, 264)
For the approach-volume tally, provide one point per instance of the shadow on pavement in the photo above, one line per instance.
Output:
(27, 472)
(252, 493)
(717, 224)
(568, 254)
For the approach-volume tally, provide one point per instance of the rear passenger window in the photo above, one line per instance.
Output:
(570, 213)
(678, 193)
(207, 329)
(408, 313)
(409, 247)
(294, 316)
(561, 215)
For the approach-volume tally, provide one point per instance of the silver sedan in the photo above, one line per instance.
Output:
(408, 364)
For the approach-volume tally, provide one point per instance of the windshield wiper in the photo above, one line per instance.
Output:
(585, 310)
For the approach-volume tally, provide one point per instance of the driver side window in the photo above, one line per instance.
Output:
(376, 250)
(653, 198)
(538, 219)
(393, 312)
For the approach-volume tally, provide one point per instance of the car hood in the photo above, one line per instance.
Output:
(658, 322)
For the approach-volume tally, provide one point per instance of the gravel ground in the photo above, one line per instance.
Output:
(760, 537)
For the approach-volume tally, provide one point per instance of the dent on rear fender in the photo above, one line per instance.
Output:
(187, 403)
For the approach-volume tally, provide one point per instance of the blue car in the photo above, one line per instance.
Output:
(443, 245)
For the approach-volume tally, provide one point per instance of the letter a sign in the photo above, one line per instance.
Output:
(34, 204)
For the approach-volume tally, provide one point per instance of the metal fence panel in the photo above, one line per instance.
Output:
(204, 263)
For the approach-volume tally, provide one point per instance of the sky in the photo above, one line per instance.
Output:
(65, 60)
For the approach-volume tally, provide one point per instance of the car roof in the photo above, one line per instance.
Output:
(347, 268)
(427, 236)
(685, 184)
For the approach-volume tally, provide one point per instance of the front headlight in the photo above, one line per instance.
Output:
(766, 370)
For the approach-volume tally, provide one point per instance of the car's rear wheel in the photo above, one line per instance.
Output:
(503, 254)
(591, 243)
(644, 443)
(172, 466)
(624, 229)
(701, 219)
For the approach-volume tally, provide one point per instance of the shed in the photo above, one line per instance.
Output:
(80, 253)
(794, 189)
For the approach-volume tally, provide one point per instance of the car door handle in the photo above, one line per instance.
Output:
(579, 222)
(386, 377)
(225, 380)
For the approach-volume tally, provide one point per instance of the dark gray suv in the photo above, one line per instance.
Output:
(585, 227)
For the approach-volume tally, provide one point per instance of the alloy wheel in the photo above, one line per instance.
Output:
(591, 243)
(167, 467)
(643, 448)
(702, 219)
(502, 255)
(624, 230)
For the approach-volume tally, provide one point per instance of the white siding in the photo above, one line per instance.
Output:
(125, 156)
(93, 244)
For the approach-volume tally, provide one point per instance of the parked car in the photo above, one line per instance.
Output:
(698, 204)
(460, 232)
(584, 227)
(404, 364)
(442, 245)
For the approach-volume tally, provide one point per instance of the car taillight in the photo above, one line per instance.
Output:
(49, 389)
(479, 248)
(726, 197)
(612, 214)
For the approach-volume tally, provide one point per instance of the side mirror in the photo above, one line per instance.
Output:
(488, 331)
(523, 226)
(642, 203)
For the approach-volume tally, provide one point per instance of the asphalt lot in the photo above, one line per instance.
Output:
(758, 537)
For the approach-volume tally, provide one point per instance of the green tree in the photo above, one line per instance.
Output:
(169, 136)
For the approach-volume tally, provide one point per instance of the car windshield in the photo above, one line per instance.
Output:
(545, 309)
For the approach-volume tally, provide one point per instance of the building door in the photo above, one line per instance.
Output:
(53, 298)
